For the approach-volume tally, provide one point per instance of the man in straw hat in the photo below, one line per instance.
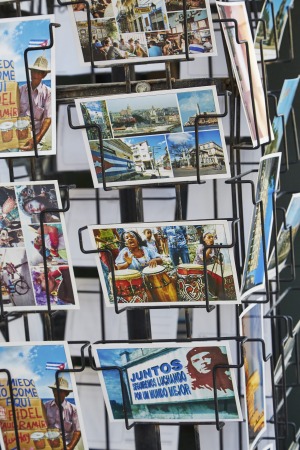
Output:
(41, 100)
(69, 413)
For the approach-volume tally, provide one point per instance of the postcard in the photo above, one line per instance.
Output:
(150, 138)
(287, 352)
(163, 263)
(32, 367)
(284, 107)
(254, 272)
(283, 238)
(16, 135)
(251, 323)
(281, 8)
(168, 381)
(141, 31)
(22, 274)
(238, 56)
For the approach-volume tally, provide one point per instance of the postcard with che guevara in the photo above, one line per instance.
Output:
(16, 127)
(135, 31)
(22, 274)
(168, 381)
(251, 321)
(38, 398)
(150, 138)
(163, 263)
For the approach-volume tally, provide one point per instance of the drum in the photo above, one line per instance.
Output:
(53, 438)
(161, 286)
(6, 129)
(22, 128)
(130, 287)
(190, 283)
(38, 439)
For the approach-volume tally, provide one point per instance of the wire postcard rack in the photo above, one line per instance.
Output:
(285, 336)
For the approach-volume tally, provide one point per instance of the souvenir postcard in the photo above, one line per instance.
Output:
(168, 381)
(283, 238)
(284, 107)
(281, 8)
(251, 321)
(294, 445)
(287, 351)
(38, 397)
(150, 138)
(16, 128)
(254, 272)
(238, 56)
(163, 263)
(22, 275)
(142, 30)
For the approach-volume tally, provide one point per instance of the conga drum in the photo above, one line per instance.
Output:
(161, 286)
(190, 282)
(130, 287)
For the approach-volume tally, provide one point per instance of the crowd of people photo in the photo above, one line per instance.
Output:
(162, 264)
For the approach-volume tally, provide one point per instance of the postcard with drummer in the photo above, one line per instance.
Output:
(22, 254)
(151, 137)
(141, 31)
(38, 397)
(251, 326)
(20, 120)
(163, 263)
(168, 382)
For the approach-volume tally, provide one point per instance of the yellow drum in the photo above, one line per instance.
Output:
(160, 285)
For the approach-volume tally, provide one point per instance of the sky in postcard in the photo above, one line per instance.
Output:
(29, 361)
(14, 39)
(188, 102)
(142, 102)
(158, 143)
(277, 4)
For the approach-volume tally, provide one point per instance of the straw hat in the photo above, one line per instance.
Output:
(62, 384)
(41, 63)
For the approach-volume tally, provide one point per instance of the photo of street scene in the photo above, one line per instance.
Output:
(142, 15)
(134, 30)
(182, 149)
(143, 138)
(177, 5)
(99, 9)
(138, 115)
(164, 262)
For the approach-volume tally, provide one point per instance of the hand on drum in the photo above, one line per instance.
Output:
(152, 263)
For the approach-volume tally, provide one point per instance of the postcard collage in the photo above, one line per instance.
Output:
(148, 138)
(23, 279)
(151, 137)
(136, 31)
